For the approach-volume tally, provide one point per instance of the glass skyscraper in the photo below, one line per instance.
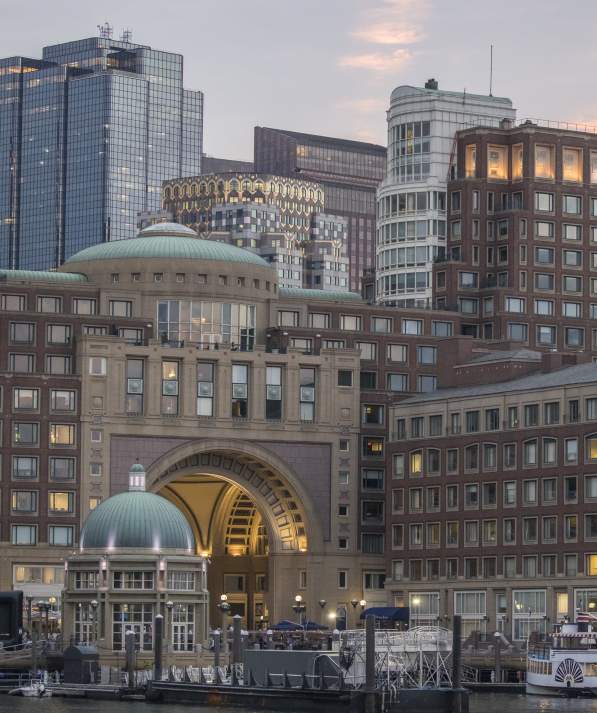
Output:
(349, 171)
(87, 135)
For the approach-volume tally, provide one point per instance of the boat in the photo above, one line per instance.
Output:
(567, 665)
(36, 689)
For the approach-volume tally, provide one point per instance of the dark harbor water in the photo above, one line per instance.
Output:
(480, 703)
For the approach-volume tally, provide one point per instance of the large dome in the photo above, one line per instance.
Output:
(167, 241)
(139, 520)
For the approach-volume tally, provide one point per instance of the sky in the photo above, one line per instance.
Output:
(328, 66)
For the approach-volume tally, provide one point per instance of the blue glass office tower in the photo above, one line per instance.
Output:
(87, 135)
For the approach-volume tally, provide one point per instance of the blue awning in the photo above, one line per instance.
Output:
(387, 613)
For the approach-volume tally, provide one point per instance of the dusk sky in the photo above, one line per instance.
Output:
(328, 66)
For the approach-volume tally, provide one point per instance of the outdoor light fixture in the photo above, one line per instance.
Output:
(363, 603)
(354, 603)
(322, 603)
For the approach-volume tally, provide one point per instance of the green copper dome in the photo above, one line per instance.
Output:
(139, 520)
(166, 244)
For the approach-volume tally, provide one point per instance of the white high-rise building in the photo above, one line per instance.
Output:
(411, 201)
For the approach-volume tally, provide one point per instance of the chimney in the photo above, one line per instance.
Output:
(431, 84)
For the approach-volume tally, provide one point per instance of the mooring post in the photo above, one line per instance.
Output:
(216, 637)
(129, 650)
(158, 647)
(456, 663)
(34, 652)
(497, 637)
(370, 688)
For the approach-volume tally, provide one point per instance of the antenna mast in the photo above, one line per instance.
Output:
(105, 31)
(491, 70)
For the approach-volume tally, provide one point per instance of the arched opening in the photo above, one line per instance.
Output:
(250, 515)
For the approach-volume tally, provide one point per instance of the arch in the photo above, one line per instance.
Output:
(285, 506)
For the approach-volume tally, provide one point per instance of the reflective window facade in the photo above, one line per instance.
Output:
(349, 171)
(87, 135)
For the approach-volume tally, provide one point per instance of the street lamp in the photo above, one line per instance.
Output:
(299, 608)
(169, 608)
(224, 606)
(94, 605)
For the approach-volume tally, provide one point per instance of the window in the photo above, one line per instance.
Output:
(62, 400)
(518, 332)
(318, 320)
(61, 468)
(288, 319)
(591, 527)
(509, 455)
(344, 377)
(544, 230)
(170, 387)
(470, 161)
(24, 501)
(21, 363)
(529, 530)
(416, 463)
(452, 460)
(61, 503)
(25, 399)
(62, 435)
(84, 306)
(544, 202)
(22, 332)
(509, 531)
(435, 425)
(24, 468)
(58, 333)
(23, 535)
(97, 366)
(368, 350)
(349, 322)
(307, 394)
(570, 528)
(441, 329)
(372, 479)
(372, 414)
(381, 324)
(497, 162)
(515, 304)
(371, 543)
(121, 308)
(426, 383)
(471, 496)
(552, 412)
(240, 390)
(49, 304)
(544, 161)
(373, 447)
(571, 451)
(273, 393)
(574, 336)
(134, 386)
(25, 434)
(472, 421)
(205, 388)
(572, 205)
(368, 380)
(492, 419)
(426, 355)
(58, 364)
(572, 165)
(412, 326)
(12, 303)
(489, 456)
(509, 490)
(397, 353)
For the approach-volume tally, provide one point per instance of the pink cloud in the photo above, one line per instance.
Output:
(389, 34)
(378, 61)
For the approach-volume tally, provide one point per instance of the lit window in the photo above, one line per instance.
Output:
(471, 161)
(572, 165)
(544, 162)
(497, 162)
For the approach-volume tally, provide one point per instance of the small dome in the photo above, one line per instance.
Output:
(139, 520)
(137, 468)
(168, 229)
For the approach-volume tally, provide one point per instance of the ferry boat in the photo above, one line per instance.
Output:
(567, 665)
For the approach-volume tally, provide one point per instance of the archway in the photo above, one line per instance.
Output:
(250, 513)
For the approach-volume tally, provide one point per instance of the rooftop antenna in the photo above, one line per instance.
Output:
(491, 70)
(126, 35)
(105, 31)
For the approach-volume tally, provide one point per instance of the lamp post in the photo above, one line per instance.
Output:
(300, 608)
(169, 609)
(498, 657)
(44, 607)
(224, 607)
(94, 606)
